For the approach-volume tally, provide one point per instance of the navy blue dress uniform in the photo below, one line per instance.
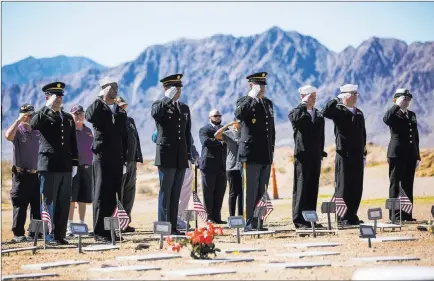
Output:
(308, 154)
(256, 146)
(350, 135)
(213, 168)
(403, 150)
(58, 154)
(110, 155)
(173, 122)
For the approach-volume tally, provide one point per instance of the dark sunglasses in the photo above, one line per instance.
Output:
(216, 116)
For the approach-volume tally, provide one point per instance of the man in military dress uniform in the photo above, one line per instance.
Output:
(110, 154)
(134, 155)
(58, 157)
(350, 160)
(403, 152)
(256, 148)
(173, 122)
(308, 125)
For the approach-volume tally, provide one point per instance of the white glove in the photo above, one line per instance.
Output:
(254, 91)
(417, 163)
(343, 95)
(364, 162)
(399, 101)
(50, 101)
(171, 92)
(305, 98)
(124, 170)
(74, 171)
(104, 91)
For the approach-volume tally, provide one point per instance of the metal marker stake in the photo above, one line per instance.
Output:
(369, 242)
(238, 235)
(313, 228)
(161, 241)
(375, 227)
(79, 244)
(329, 221)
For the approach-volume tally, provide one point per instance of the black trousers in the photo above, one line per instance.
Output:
(349, 183)
(235, 191)
(171, 180)
(56, 188)
(306, 184)
(214, 188)
(128, 192)
(106, 183)
(25, 191)
(257, 177)
(401, 173)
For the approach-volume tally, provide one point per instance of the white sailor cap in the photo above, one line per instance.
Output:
(347, 88)
(107, 80)
(308, 89)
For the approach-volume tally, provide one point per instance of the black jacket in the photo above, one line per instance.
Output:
(404, 136)
(257, 130)
(174, 134)
(350, 131)
(58, 144)
(213, 156)
(111, 138)
(308, 134)
(134, 150)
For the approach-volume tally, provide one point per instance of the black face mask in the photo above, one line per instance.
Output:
(216, 122)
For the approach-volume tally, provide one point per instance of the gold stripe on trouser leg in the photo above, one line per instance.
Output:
(245, 188)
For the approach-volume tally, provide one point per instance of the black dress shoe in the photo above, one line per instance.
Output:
(263, 229)
(177, 232)
(62, 241)
(301, 226)
(103, 239)
(129, 229)
(119, 238)
(221, 222)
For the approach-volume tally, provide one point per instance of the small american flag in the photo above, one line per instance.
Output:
(265, 202)
(341, 207)
(199, 208)
(121, 214)
(46, 217)
(406, 205)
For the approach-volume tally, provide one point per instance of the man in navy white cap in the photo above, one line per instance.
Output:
(58, 158)
(173, 151)
(351, 152)
(403, 152)
(256, 149)
(109, 147)
(308, 125)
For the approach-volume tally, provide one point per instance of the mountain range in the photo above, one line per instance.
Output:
(214, 71)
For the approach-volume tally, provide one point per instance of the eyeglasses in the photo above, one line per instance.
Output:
(217, 116)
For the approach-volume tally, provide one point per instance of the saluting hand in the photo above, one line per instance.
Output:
(399, 101)
(254, 91)
(22, 116)
(50, 101)
(171, 92)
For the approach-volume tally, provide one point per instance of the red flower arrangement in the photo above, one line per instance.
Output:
(200, 240)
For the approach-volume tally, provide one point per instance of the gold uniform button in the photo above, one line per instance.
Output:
(411, 141)
(62, 137)
(179, 138)
(410, 136)
(179, 119)
(62, 143)
(411, 130)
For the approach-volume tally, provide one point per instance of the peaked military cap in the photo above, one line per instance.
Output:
(172, 80)
(402, 92)
(258, 78)
(54, 88)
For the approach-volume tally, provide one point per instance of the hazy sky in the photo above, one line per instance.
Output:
(112, 33)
